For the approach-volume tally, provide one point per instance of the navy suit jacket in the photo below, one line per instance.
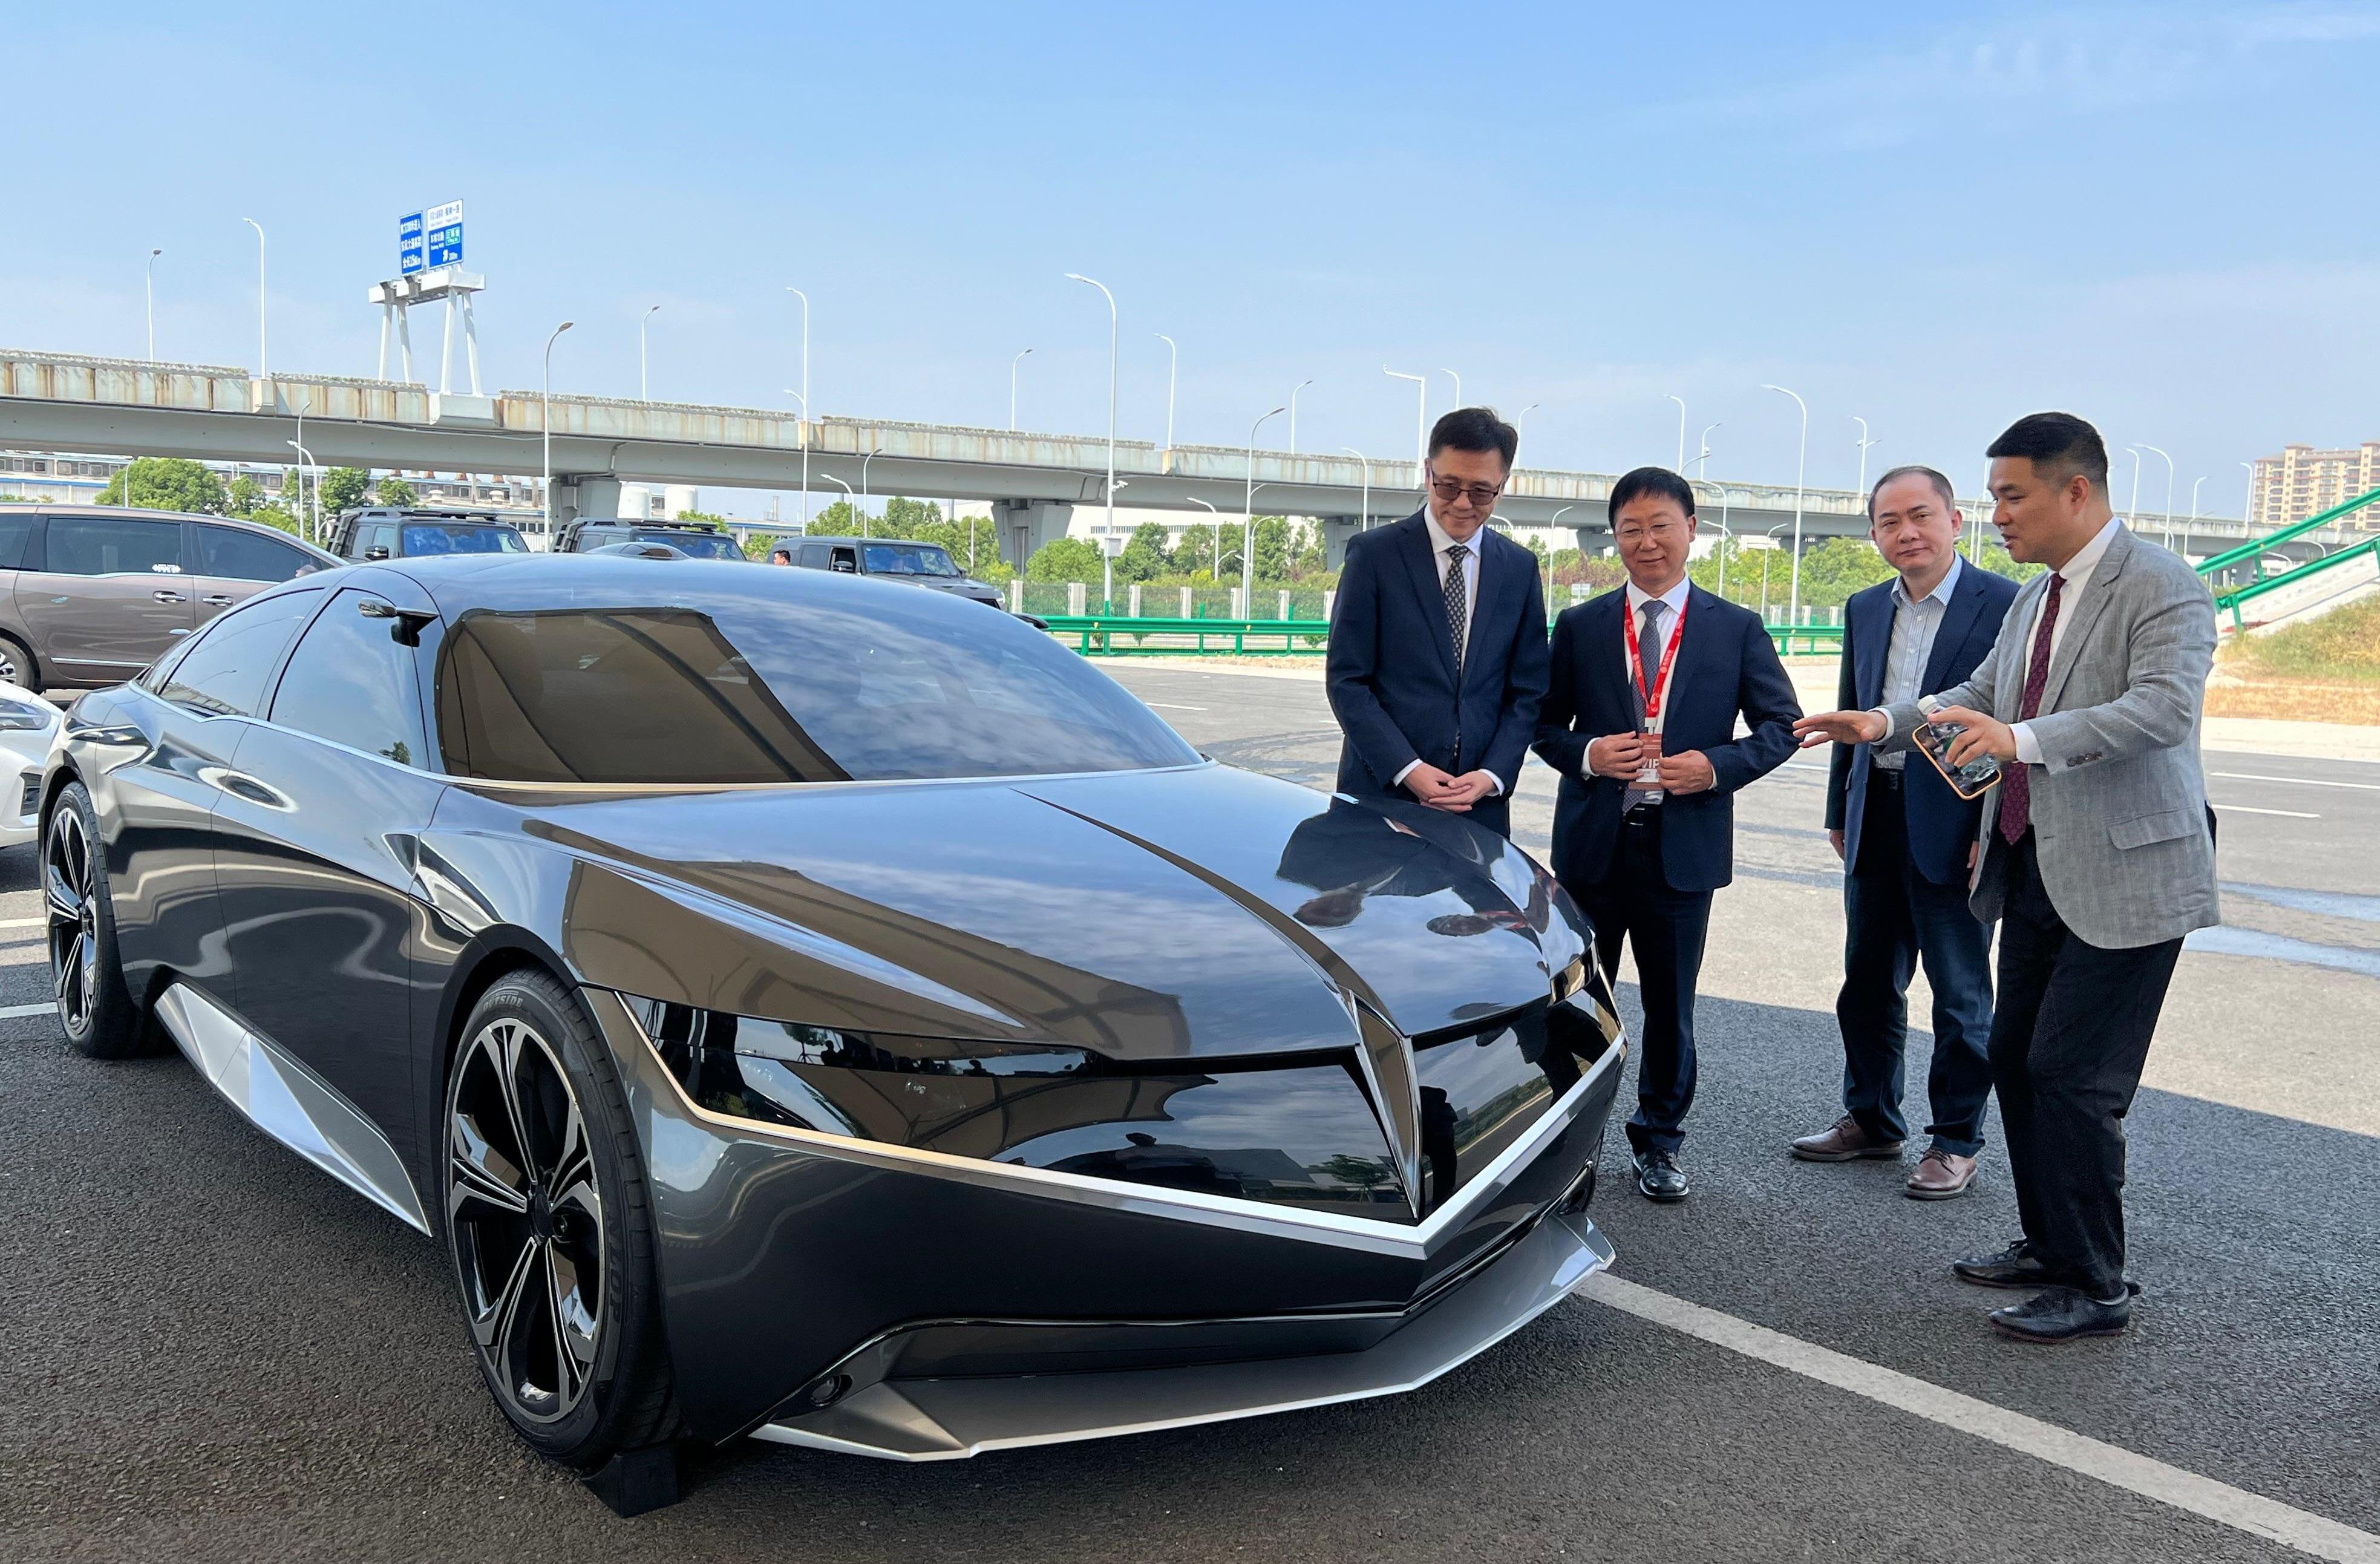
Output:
(1942, 826)
(1391, 669)
(1726, 664)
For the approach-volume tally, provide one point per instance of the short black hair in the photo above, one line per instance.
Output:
(2059, 442)
(1658, 483)
(1475, 428)
(1941, 486)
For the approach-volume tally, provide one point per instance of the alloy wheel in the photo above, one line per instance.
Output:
(525, 1220)
(67, 887)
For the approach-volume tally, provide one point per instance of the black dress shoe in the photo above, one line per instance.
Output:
(1658, 1177)
(2064, 1314)
(2016, 1265)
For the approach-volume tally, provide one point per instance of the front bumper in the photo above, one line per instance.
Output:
(890, 1301)
(20, 800)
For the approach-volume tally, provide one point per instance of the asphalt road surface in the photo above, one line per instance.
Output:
(209, 1350)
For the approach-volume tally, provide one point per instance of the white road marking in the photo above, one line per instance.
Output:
(2285, 814)
(2118, 1467)
(11, 1013)
(22, 922)
(2303, 781)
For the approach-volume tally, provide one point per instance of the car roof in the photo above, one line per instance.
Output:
(526, 583)
(141, 513)
(821, 538)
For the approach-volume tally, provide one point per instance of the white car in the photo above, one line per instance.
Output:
(29, 725)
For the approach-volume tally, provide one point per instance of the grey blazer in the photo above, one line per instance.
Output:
(2120, 817)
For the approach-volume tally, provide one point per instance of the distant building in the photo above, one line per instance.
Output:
(2302, 481)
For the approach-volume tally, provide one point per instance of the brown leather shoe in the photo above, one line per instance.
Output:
(1843, 1143)
(1940, 1175)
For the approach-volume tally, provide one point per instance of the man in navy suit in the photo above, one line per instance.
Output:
(1639, 719)
(1438, 639)
(1907, 843)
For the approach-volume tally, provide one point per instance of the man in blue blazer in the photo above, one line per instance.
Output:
(1639, 719)
(1907, 843)
(1438, 639)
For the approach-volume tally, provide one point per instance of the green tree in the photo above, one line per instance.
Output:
(1195, 555)
(244, 497)
(394, 491)
(1995, 559)
(1272, 549)
(165, 483)
(342, 489)
(274, 516)
(1064, 559)
(1144, 557)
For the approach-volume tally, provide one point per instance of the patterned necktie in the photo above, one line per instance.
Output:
(2016, 781)
(1648, 652)
(1458, 609)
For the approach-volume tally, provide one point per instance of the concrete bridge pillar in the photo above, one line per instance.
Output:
(589, 494)
(1024, 525)
(1336, 532)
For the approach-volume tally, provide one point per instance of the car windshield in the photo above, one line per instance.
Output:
(718, 686)
(909, 559)
(701, 545)
(460, 537)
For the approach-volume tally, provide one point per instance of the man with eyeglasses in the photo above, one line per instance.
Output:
(1639, 719)
(1438, 639)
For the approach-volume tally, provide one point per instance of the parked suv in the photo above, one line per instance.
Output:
(409, 532)
(920, 564)
(92, 595)
(697, 539)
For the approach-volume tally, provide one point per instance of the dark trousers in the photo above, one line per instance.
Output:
(1633, 902)
(1895, 917)
(2067, 1048)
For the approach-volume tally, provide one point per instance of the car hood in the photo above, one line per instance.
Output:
(1198, 912)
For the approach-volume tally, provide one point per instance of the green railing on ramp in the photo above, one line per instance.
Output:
(2254, 553)
(2237, 597)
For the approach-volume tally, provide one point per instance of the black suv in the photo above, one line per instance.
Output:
(891, 559)
(699, 540)
(409, 532)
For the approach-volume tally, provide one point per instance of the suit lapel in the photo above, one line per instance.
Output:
(1958, 623)
(2085, 613)
(1607, 628)
(1875, 647)
(1495, 580)
(1429, 589)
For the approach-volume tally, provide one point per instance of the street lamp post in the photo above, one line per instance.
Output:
(1723, 535)
(1173, 377)
(1366, 525)
(643, 394)
(1801, 470)
(1681, 429)
(1521, 428)
(1107, 539)
(1013, 365)
(1763, 571)
(805, 394)
(2192, 526)
(849, 503)
(2132, 511)
(864, 490)
(2168, 492)
(261, 371)
(545, 425)
(1703, 452)
(1864, 443)
(1216, 526)
(313, 515)
(149, 289)
(1249, 527)
(1301, 385)
(1421, 418)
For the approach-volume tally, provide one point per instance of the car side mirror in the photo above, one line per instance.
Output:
(378, 551)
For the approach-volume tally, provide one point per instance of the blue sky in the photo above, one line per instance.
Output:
(1936, 217)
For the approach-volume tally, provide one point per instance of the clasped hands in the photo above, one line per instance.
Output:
(1622, 756)
(1981, 734)
(1443, 790)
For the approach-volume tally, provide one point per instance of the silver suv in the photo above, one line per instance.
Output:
(92, 595)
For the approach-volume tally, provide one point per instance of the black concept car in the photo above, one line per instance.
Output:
(806, 1008)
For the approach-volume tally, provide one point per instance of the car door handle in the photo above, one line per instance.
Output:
(216, 600)
(167, 597)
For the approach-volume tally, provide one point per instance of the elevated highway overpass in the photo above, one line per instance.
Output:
(1033, 484)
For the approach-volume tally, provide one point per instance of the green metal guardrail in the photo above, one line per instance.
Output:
(2254, 551)
(1117, 635)
(2238, 596)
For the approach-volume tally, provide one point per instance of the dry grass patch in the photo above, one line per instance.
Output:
(2327, 670)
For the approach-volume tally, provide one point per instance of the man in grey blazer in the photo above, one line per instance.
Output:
(2098, 853)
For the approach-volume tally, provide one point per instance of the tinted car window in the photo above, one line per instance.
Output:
(384, 536)
(13, 531)
(83, 545)
(908, 559)
(814, 555)
(757, 690)
(225, 550)
(431, 537)
(224, 672)
(700, 545)
(350, 681)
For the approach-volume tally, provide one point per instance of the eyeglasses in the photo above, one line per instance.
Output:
(1481, 495)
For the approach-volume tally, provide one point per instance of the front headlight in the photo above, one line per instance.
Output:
(23, 716)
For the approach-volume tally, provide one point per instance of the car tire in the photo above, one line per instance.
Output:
(549, 1229)
(86, 974)
(17, 665)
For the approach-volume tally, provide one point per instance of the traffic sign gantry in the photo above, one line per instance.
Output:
(442, 233)
(408, 245)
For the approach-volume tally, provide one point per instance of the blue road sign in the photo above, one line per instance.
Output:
(443, 233)
(408, 245)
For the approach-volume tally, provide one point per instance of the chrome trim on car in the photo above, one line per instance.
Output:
(1406, 1241)
(288, 1102)
(656, 789)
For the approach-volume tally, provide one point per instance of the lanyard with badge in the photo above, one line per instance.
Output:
(1655, 694)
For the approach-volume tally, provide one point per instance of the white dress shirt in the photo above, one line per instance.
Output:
(1914, 626)
(2077, 575)
(1439, 544)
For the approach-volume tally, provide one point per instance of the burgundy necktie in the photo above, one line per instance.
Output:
(2016, 783)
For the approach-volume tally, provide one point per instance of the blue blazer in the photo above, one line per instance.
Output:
(1726, 664)
(1390, 668)
(1942, 826)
